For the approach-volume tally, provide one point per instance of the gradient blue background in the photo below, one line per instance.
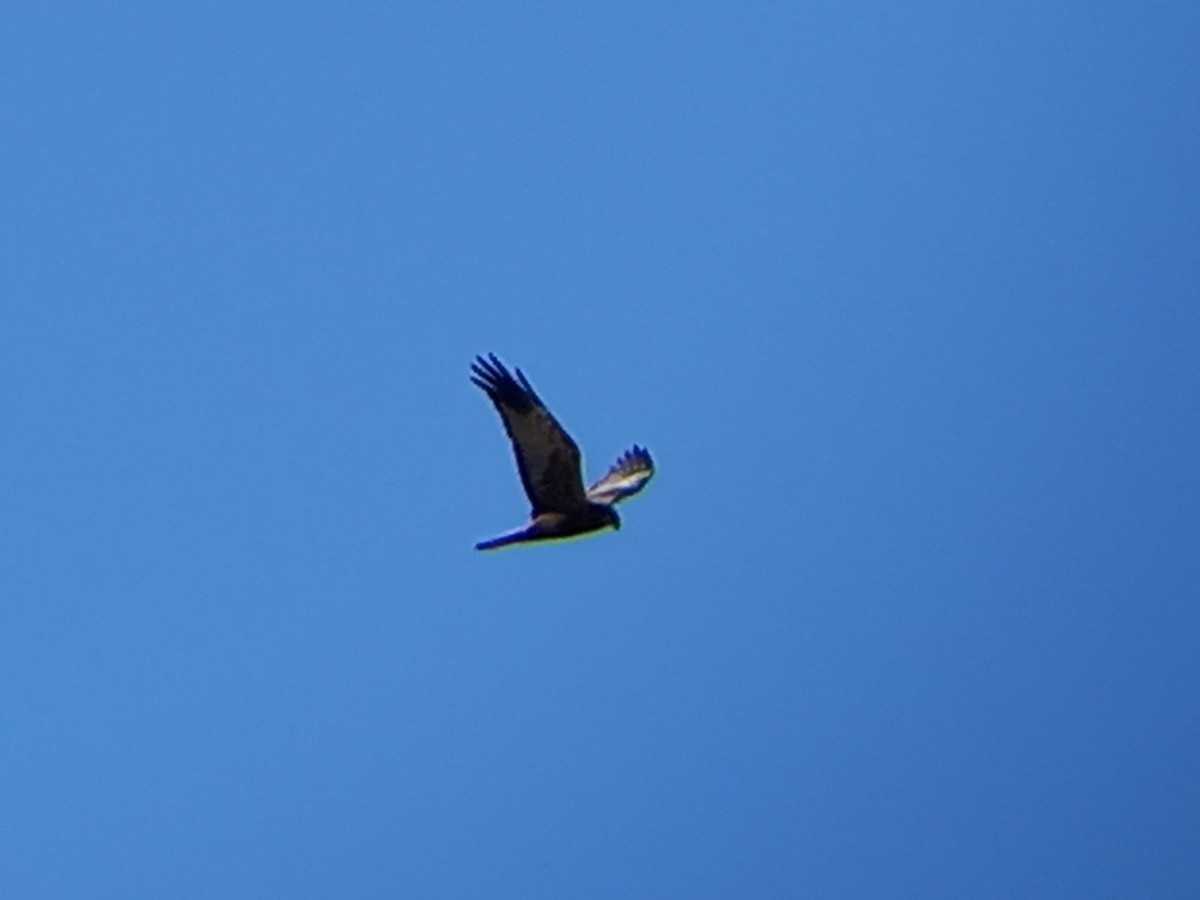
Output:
(904, 299)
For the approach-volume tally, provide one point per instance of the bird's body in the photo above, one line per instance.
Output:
(549, 464)
(552, 526)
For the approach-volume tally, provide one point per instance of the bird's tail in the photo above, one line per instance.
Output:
(514, 537)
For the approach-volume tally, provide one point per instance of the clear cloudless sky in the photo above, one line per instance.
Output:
(904, 298)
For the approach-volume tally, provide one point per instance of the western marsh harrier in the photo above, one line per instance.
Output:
(548, 461)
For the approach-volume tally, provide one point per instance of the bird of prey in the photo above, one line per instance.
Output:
(548, 461)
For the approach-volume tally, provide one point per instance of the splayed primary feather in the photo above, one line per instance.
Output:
(626, 477)
(549, 464)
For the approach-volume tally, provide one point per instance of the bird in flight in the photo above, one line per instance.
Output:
(548, 461)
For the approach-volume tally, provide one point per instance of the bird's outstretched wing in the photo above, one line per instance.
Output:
(627, 476)
(547, 458)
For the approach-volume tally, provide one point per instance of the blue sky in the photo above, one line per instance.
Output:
(903, 301)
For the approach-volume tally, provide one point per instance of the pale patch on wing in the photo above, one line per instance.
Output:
(627, 476)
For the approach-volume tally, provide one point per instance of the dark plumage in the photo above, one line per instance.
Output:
(549, 465)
